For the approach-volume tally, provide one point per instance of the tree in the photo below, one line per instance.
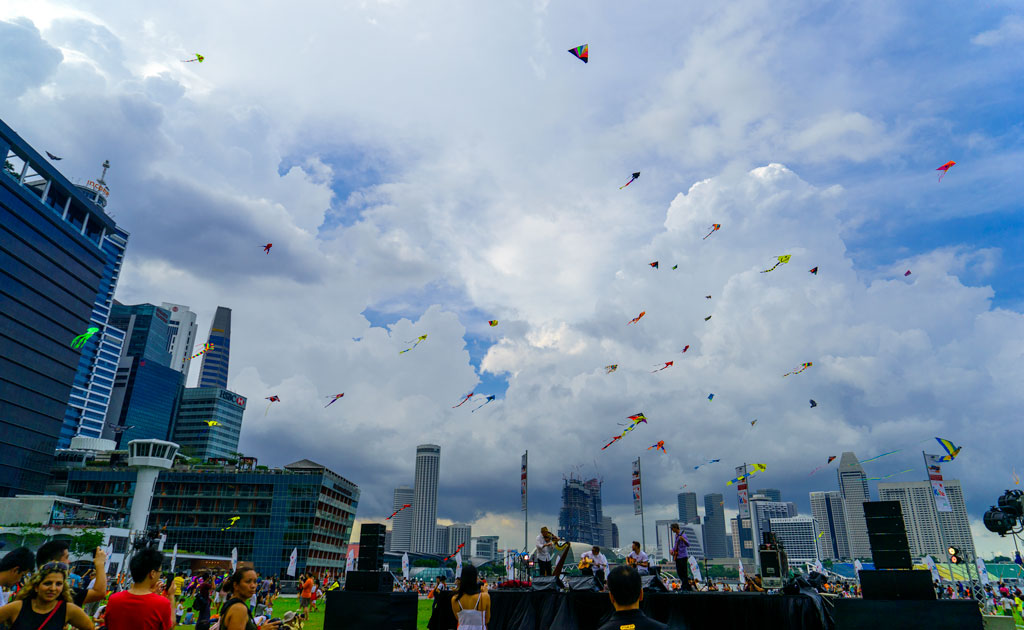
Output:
(1001, 559)
(826, 563)
(425, 562)
(86, 542)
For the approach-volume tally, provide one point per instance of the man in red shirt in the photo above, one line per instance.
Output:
(143, 607)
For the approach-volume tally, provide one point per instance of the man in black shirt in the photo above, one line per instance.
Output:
(57, 551)
(626, 592)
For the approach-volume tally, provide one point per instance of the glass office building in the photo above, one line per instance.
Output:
(214, 370)
(52, 262)
(192, 429)
(302, 506)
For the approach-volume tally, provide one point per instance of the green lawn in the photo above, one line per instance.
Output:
(316, 619)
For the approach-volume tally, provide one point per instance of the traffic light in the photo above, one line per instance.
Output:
(954, 555)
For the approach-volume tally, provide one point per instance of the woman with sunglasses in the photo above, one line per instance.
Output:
(45, 603)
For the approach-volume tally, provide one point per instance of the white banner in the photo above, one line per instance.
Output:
(982, 571)
(741, 491)
(931, 566)
(522, 477)
(938, 489)
(293, 562)
(509, 566)
(695, 570)
(405, 565)
(350, 560)
(106, 565)
(818, 567)
(638, 507)
(234, 559)
(458, 564)
(857, 566)
(743, 576)
(174, 559)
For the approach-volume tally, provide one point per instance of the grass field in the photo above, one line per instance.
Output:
(316, 619)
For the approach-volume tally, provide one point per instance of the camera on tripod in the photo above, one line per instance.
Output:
(151, 539)
(1005, 516)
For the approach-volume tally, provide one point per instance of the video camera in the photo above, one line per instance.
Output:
(1005, 516)
(151, 539)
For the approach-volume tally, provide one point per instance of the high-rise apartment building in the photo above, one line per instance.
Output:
(615, 536)
(606, 531)
(401, 523)
(441, 540)
(734, 537)
(579, 519)
(214, 370)
(799, 536)
(853, 486)
(687, 503)
(209, 422)
(459, 534)
(53, 266)
(828, 510)
(762, 511)
(773, 494)
(917, 501)
(182, 332)
(714, 526)
(424, 503)
(485, 547)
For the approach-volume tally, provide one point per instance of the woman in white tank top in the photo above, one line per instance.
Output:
(471, 606)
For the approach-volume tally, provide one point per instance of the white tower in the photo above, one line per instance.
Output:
(148, 457)
(424, 502)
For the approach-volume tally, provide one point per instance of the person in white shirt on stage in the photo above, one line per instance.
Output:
(597, 564)
(639, 559)
(545, 543)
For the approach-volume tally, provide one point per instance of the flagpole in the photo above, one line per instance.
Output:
(526, 504)
(643, 528)
(938, 521)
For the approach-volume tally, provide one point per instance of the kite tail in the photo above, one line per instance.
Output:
(627, 184)
(773, 267)
(268, 408)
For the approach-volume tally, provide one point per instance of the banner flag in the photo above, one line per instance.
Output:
(638, 507)
(522, 477)
(293, 562)
(938, 488)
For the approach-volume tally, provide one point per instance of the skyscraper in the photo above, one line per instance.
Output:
(853, 485)
(828, 510)
(606, 531)
(214, 370)
(687, 507)
(799, 535)
(401, 523)
(917, 501)
(52, 270)
(182, 332)
(199, 407)
(459, 534)
(424, 502)
(579, 519)
(714, 526)
(615, 536)
(441, 540)
(773, 494)
(762, 511)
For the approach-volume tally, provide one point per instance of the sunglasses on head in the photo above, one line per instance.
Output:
(52, 566)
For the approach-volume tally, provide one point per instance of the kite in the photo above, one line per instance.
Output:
(635, 175)
(457, 550)
(486, 400)
(668, 364)
(198, 58)
(1016, 479)
(675, 266)
(212, 423)
(637, 318)
(707, 318)
(397, 511)
(757, 468)
(814, 271)
(906, 274)
(782, 260)
(685, 348)
(608, 369)
(708, 296)
(711, 396)
(889, 475)
(831, 458)
(121, 429)
(418, 341)
(952, 450)
(822, 533)
(468, 396)
(614, 440)
(710, 461)
(334, 399)
(233, 520)
(803, 366)
(492, 322)
(272, 399)
(753, 422)
(660, 446)
(637, 418)
(266, 248)
(871, 459)
(80, 340)
(52, 156)
(714, 228)
(654, 264)
(945, 168)
(206, 347)
(813, 404)
(583, 54)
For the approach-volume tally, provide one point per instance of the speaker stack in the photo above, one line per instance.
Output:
(371, 547)
(887, 534)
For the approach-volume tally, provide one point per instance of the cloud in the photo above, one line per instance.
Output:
(1009, 31)
(28, 60)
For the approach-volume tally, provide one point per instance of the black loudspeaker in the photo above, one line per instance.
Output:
(369, 581)
(774, 567)
(883, 509)
(371, 546)
(891, 558)
(548, 583)
(903, 585)
(947, 614)
(653, 584)
(390, 611)
(584, 583)
(887, 535)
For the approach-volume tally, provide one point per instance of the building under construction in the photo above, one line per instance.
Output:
(581, 519)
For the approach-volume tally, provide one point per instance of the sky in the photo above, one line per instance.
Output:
(422, 168)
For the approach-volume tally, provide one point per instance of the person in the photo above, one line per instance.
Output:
(681, 552)
(471, 605)
(144, 606)
(307, 592)
(625, 590)
(57, 551)
(179, 611)
(45, 603)
(599, 566)
(202, 602)
(754, 584)
(179, 583)
(13, 568)
(545, 543)
(235, 615)
(639, 559)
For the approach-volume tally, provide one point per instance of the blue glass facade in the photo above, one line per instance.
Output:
(97, 367)
(199, 406)
(51, 270)
(148, 333)
(214, 371)
(303, 506)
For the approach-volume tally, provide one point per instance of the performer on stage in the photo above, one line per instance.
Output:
(596, 564)
(545, 543)
(680, 551)
(639, 559)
